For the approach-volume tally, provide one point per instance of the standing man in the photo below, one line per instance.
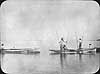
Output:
(80, 43)
(90, 45)
(62, 44)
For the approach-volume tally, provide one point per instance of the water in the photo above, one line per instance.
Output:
(50, 64)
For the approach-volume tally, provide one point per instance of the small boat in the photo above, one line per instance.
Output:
(79, 48)
(15, 51)
(62, 52)
(74, 51)
(21, 51)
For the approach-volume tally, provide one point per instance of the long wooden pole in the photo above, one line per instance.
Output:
(76, 40)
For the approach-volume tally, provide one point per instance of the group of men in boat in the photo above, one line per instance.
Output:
(63, 44)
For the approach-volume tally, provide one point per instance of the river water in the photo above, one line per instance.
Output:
(50, 63)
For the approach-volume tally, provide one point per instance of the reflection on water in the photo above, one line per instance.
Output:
(50, 64)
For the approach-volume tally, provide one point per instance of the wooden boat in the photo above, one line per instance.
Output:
(21, 51)
(15, 51)
(62, 52)
(74, 51)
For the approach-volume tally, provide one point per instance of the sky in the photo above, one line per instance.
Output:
(35, 23)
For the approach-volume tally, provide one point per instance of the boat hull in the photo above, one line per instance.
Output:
(73, 51)
(20, 51)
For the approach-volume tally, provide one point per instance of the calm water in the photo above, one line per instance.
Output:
(50, 64)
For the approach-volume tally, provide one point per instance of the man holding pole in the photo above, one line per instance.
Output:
(62, 44)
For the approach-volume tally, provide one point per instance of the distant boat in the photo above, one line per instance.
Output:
(31, 51)
(15, 51)
(22, 51)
